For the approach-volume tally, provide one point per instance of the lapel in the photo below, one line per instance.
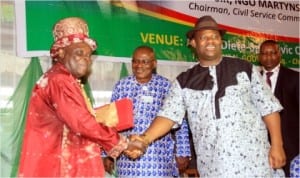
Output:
(279, 83)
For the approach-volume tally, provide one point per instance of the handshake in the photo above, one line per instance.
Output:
(137, 146)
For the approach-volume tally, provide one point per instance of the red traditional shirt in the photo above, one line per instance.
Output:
(62, 138)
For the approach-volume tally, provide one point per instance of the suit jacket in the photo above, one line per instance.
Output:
(287, 92)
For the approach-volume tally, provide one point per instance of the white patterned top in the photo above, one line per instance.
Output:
(225, 105)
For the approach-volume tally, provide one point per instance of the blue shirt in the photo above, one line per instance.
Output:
(159, 159)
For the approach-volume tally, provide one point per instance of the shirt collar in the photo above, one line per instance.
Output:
(274, 70)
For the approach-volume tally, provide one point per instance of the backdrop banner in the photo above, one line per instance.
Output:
(120, 26)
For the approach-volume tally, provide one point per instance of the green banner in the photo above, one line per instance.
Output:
(117, 31)
(120, 26)
(247, 48)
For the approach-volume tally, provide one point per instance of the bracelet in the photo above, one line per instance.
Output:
(145, 138)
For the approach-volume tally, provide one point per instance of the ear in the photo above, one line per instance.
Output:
(279, 52)
(61, 54)
(192, 43)
(155, 63)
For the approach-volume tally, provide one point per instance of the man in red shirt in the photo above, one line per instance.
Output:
(62, 137)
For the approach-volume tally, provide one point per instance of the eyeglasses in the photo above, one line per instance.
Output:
(143, 62)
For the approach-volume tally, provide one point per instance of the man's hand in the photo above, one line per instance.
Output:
(136, 147)
(182, 163)
(277, 157)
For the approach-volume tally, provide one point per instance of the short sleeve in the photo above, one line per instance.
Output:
(262, 96)
(173, 107)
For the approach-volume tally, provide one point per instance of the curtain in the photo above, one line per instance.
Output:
(124, 71)
(13, 119)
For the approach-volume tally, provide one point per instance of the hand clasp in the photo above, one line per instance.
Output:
(137, 146)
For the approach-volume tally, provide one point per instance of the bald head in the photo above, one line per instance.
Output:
(143, 63)
(145, 49)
